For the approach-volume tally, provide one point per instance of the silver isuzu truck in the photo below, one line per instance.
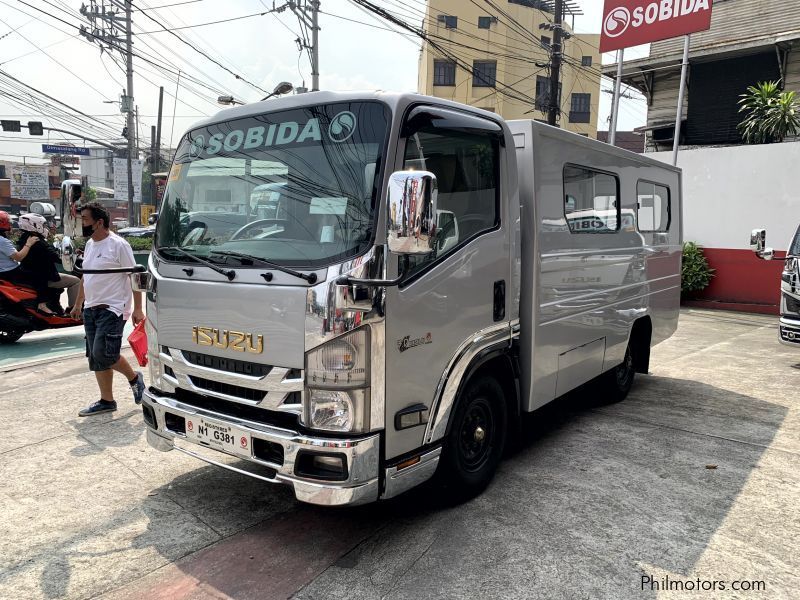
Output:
(789, 324)
(349, 292)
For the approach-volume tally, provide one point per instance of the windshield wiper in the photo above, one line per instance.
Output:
(229, 273)
(310, 278)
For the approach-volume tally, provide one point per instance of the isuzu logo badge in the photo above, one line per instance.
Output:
(238, 341)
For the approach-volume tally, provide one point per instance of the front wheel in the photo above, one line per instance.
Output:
(477, 437)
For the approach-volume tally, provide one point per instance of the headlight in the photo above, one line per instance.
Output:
(337, 384)
(337, 410)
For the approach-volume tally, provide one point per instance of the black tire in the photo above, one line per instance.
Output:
(476, 440)
(9, 337)
(618, 381)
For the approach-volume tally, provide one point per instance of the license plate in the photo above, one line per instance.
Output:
(219, 436)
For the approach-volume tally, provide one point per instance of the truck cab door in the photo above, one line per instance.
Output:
(446, 297)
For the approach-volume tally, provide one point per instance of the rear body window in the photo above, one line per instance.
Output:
(653, 208)
(591, 200)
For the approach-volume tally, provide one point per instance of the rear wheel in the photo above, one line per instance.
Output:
(474, 445)
(619, 380)
(10, 336)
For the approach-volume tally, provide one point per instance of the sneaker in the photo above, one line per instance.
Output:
(137, 388)
(101, 406)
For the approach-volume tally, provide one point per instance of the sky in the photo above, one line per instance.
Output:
(40, 46)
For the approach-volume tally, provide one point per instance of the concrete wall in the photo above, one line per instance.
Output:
(729, 191)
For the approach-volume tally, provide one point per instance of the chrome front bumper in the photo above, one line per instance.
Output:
(362, 454)
(790, 332)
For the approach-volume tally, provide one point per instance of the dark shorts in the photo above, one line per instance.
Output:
(103, 337)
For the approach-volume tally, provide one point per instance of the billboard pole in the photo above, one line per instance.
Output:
(681, 92)
(612, 135)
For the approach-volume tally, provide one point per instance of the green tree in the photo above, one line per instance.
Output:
(90, 195)
(770, 114)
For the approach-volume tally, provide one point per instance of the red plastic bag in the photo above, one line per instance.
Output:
(138, 341)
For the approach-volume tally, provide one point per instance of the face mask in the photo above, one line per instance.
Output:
(87, 231)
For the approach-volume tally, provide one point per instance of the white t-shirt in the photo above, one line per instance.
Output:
(113, 289)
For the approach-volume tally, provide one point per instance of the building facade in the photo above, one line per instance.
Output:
(99, 167)
(496, 57)
(749, 41)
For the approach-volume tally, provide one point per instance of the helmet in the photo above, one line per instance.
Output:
(5, 221)
(33, 223)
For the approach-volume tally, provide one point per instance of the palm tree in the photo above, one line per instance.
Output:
(771, 114)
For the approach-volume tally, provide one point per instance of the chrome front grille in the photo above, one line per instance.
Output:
(263, 386)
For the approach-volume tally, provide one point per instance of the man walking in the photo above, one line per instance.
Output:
(106, 303)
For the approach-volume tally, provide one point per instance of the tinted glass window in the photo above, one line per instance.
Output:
(466, 167)
(653, 207)
(591, 200)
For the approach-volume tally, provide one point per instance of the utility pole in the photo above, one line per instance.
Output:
(157, 162)
(106, 30)
(153, 163)
(301, 8)
(555, 64)
(314, 45)
(132, 220)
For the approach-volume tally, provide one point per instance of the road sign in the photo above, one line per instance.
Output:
(629, 23)
(54, 149)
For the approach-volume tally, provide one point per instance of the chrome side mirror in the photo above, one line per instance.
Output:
(758, 242)
(411, 213)
(67, 251)
(758, 239)
(140, 281)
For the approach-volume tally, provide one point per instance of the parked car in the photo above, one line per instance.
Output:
(140, 232)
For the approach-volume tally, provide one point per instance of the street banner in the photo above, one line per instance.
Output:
(29, 183)
(629, 23)
(121, 180)
(54, 149)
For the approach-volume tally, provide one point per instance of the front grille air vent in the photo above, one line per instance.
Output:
(227, 365)
(242, 411)
(228, 389)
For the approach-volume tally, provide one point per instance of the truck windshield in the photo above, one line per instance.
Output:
(296, 187)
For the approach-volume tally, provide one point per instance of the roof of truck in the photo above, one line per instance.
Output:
(392, 99)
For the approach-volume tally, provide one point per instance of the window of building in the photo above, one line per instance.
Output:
(546, 42)
(444, 72)
(652, 206)
(484, 73)
(580, 108)
(466, 166)
(449, 21)
(486, 22)
(543, 93)
(591, 200)
(586, 61)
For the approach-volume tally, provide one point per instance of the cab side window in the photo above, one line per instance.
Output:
(466, 166)
(591, 200)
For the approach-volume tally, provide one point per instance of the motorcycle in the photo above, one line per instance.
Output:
(19, 315)
(18, 303)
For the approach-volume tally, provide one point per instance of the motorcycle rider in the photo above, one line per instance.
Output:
(10, 257)
(40, 263)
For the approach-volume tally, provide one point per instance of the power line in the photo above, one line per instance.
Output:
(162, 30)
(199, 51)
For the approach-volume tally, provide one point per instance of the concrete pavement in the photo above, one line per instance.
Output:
(692, 480)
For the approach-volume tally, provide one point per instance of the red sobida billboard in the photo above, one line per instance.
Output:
(629, 23)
